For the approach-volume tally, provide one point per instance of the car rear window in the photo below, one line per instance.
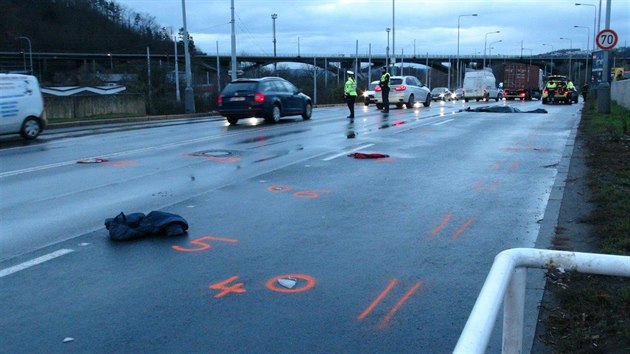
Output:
(234, 87)
(395, 81)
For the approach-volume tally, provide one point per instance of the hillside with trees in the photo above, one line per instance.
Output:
(87, 26)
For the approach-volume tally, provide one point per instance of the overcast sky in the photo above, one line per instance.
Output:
(334, 26)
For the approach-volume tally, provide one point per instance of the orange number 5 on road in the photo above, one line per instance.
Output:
(203, 245)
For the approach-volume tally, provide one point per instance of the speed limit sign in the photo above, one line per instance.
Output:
(607, 39)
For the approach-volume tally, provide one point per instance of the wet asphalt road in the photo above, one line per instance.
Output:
(387, 255)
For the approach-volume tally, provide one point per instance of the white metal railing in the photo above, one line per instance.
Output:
(506, 280)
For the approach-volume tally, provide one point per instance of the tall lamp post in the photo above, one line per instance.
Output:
(530, 63)
(387, 49)
(588, 53)
(273, 19)
(485, 45)
(458, 71)
(594, 19)
(30, 51)
(570, 53)
(551, 56)
(189, 98)
(490, 47)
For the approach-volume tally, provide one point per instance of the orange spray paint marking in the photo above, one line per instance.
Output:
(399, 304)
(279, 189)
(463, 228)
(514, 166)
(493, 186)
(236, 288)
(478, 185)
(223, 159)
(202, 245)
(122, 163)
(439, 228)
(380, 298)
(306, 194)
(310, 283)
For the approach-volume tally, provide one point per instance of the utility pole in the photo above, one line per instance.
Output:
(233, 44)
(189, 97)
(273, 19)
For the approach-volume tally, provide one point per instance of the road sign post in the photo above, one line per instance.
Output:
(606, 39)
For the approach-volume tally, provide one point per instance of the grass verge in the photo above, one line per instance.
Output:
(587, 313)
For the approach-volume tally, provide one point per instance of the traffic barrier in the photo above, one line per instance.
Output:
(506, 281)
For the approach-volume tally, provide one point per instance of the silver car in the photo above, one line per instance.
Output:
(369, 94)
(404, 91)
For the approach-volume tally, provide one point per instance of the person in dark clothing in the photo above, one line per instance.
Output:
(384, 85)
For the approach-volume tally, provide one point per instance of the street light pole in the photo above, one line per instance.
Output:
(177, 95)
(588, 53)
(387, 49)
(530, 63)
(189, 98)
(490, 51)
(273, 19)
(594, 18)
(30, 51)
(551, 56)
(485, 44)
(393, 36)
(458, 70)
(570, 53)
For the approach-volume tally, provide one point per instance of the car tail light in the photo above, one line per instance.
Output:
(546, 92)
(220, 99)
(259, 98)
(400, 88)
(377, 89)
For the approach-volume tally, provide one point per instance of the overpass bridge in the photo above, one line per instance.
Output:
(43, 63)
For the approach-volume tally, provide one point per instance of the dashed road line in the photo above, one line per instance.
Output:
(347, 152)
(444, 122)
(34, 262)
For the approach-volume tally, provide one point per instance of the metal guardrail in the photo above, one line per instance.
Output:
(506, 280)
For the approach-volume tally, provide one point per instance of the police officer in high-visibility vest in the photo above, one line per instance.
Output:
(384, 85)
(350, 93)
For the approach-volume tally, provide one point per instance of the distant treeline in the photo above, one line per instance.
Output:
(91, 26)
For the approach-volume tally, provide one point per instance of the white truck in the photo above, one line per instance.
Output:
(21, 106)
(481, 85)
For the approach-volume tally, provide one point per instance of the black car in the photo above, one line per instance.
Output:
(269, 97)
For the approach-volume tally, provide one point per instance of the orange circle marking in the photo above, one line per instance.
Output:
(310, 283)
(278, 189)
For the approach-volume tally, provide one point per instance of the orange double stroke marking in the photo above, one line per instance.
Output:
(457, 232)
(462, 228)
(439, 228)
(236, 288)
(514, 166)
(395, 308)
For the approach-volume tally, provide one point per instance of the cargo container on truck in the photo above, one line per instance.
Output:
(521, 81)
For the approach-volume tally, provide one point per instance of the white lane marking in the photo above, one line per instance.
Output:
(34, 262)
(444, 122)
(346, 152)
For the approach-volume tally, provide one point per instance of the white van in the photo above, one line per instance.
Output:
(480, 85)
(21, 106)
